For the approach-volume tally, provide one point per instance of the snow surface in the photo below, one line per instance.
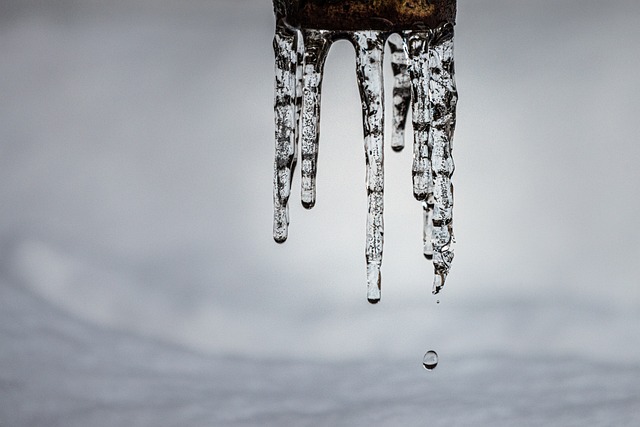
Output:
(58, 371)
(139, 283)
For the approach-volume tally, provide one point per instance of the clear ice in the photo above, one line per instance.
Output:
(316, 47)
(285, 47)
(401, 90)
(369, 47)
(423, 70)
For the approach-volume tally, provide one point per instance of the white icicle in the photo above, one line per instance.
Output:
(299, 87)
(417, 43)
(316, 47)
(401, 90)
(433, 110)
(369, 47)
(422, 63)
(442, 112)
(284, 43)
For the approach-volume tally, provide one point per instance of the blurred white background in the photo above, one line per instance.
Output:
(136, 155)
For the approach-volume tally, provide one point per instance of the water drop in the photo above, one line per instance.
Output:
(430, 360)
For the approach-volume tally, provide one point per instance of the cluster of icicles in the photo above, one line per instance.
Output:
(423, 68)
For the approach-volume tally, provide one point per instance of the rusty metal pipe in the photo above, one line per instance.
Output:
(357, 15)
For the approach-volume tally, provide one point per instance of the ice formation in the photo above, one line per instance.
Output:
(423, 69)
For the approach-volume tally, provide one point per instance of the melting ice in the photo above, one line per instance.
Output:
(423, 69)
(430, 360)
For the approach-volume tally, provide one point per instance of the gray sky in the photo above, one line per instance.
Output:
(136, 146)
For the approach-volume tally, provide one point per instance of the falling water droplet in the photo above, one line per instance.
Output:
(430, 360)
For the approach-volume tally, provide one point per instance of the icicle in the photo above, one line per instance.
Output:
(434, 104)
(316, 47)
(442, 109)
(369, 47)
(427, 233)
(299, 86)
(401, 90)
(422, 64)
(284, 43)
(417, 43)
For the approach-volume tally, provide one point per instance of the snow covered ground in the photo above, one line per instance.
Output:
(58, 371)
(139, 284)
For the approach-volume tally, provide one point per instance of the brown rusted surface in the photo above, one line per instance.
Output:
(351, 15)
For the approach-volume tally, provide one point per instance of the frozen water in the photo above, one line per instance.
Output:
(417, 45)
(316, 47)
(422, 64)
(401, 90)
(369, 47)
(427, 228)
(285, 47)
(434, 111)
(442, 118)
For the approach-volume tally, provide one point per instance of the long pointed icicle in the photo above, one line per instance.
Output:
(298, 101)
(401, 90)
(284, 43)
(442, 108)
(316, 47)
(417, 43)
(369, 47)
